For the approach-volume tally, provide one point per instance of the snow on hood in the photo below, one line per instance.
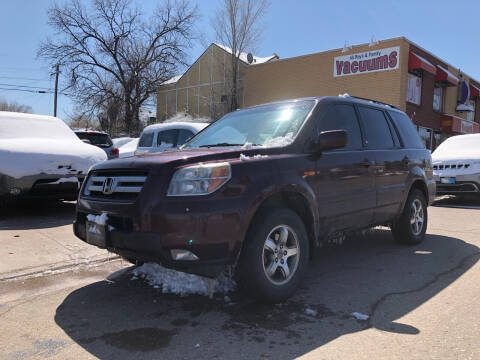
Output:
(36, 144)
(460, 147)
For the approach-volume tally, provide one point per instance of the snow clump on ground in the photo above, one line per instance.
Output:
(359, 316)
(176, 282)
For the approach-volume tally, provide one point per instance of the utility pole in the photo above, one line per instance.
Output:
(56, 90)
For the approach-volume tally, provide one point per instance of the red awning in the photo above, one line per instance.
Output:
(474, 91)
(417, 62)
(446, 76)
(455, 124)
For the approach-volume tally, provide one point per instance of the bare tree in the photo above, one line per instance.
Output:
(112, 53)
(237, 24)
(14, 106)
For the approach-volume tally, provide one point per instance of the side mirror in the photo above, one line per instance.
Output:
(332, 139)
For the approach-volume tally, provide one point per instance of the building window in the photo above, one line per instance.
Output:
(438, 98)
(471, 114)
(426, 135)
(414, 89)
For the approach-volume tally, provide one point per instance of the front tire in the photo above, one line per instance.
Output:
(275, 256)
(411, 226)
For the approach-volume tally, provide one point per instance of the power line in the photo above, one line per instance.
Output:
(35, 91)
(23, 78)
(28, 90)
(25, 86)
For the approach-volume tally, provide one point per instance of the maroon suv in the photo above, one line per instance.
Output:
(258, 190)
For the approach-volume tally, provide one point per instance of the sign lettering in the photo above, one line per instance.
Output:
(366, 62)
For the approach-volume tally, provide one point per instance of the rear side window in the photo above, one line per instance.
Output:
(167, 139)
(343, 117)
(102, 140)
(407, 130)
(376, 128)
(183, 136)
(146, 140)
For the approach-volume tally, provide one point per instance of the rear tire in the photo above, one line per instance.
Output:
(275, 256)
(411, 226)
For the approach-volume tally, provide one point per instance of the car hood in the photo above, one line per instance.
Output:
(21, 157)
(160, 162)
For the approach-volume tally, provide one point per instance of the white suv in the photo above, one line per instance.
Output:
(167, 136)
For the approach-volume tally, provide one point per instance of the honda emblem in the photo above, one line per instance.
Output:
(108, 185)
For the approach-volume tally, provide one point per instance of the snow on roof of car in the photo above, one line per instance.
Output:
(37, 144)
(21, 125)
(194, 126)
(459, 147)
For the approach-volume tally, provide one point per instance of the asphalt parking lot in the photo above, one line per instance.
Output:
(422, 301)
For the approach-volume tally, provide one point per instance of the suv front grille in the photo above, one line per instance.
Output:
(451, 166)
(115, 185)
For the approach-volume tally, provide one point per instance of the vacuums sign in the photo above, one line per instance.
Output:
(366, 62)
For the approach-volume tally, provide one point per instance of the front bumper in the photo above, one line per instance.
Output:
(464, 184)
(147, 247)
(40, 186)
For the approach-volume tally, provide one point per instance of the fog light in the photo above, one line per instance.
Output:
(15, 191)
(180, 254)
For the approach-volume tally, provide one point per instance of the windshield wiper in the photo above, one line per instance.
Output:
(220, 144)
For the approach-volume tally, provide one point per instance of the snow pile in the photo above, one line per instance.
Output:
(244, 157)
(175, 282)
(247, 145)
(359, 316)
(279, 141)
(259, 156)
(98, 219)
(35, 144)
(184, 117)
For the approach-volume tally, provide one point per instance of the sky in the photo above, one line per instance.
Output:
(291, 28)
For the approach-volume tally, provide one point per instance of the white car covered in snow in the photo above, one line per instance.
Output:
(167, 136)
(128, 148)
(40, 156)
(456, 165)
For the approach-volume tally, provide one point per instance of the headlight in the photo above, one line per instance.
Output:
(199, 179)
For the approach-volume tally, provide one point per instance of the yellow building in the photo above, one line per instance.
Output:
(204, 89)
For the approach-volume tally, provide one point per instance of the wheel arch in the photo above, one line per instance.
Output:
(302, 204)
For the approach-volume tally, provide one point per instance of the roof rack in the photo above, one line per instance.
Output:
(373, 101)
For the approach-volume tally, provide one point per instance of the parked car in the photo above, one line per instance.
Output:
(128, 149)
(456, 165)
(100, 139)
(40, 156)
(167, 136)
(260, 188)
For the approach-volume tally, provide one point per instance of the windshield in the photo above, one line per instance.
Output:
(268, 125)
(102, 140)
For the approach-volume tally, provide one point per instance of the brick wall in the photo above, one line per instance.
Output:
(312, 75)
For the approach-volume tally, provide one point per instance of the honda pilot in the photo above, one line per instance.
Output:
(258, 190)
